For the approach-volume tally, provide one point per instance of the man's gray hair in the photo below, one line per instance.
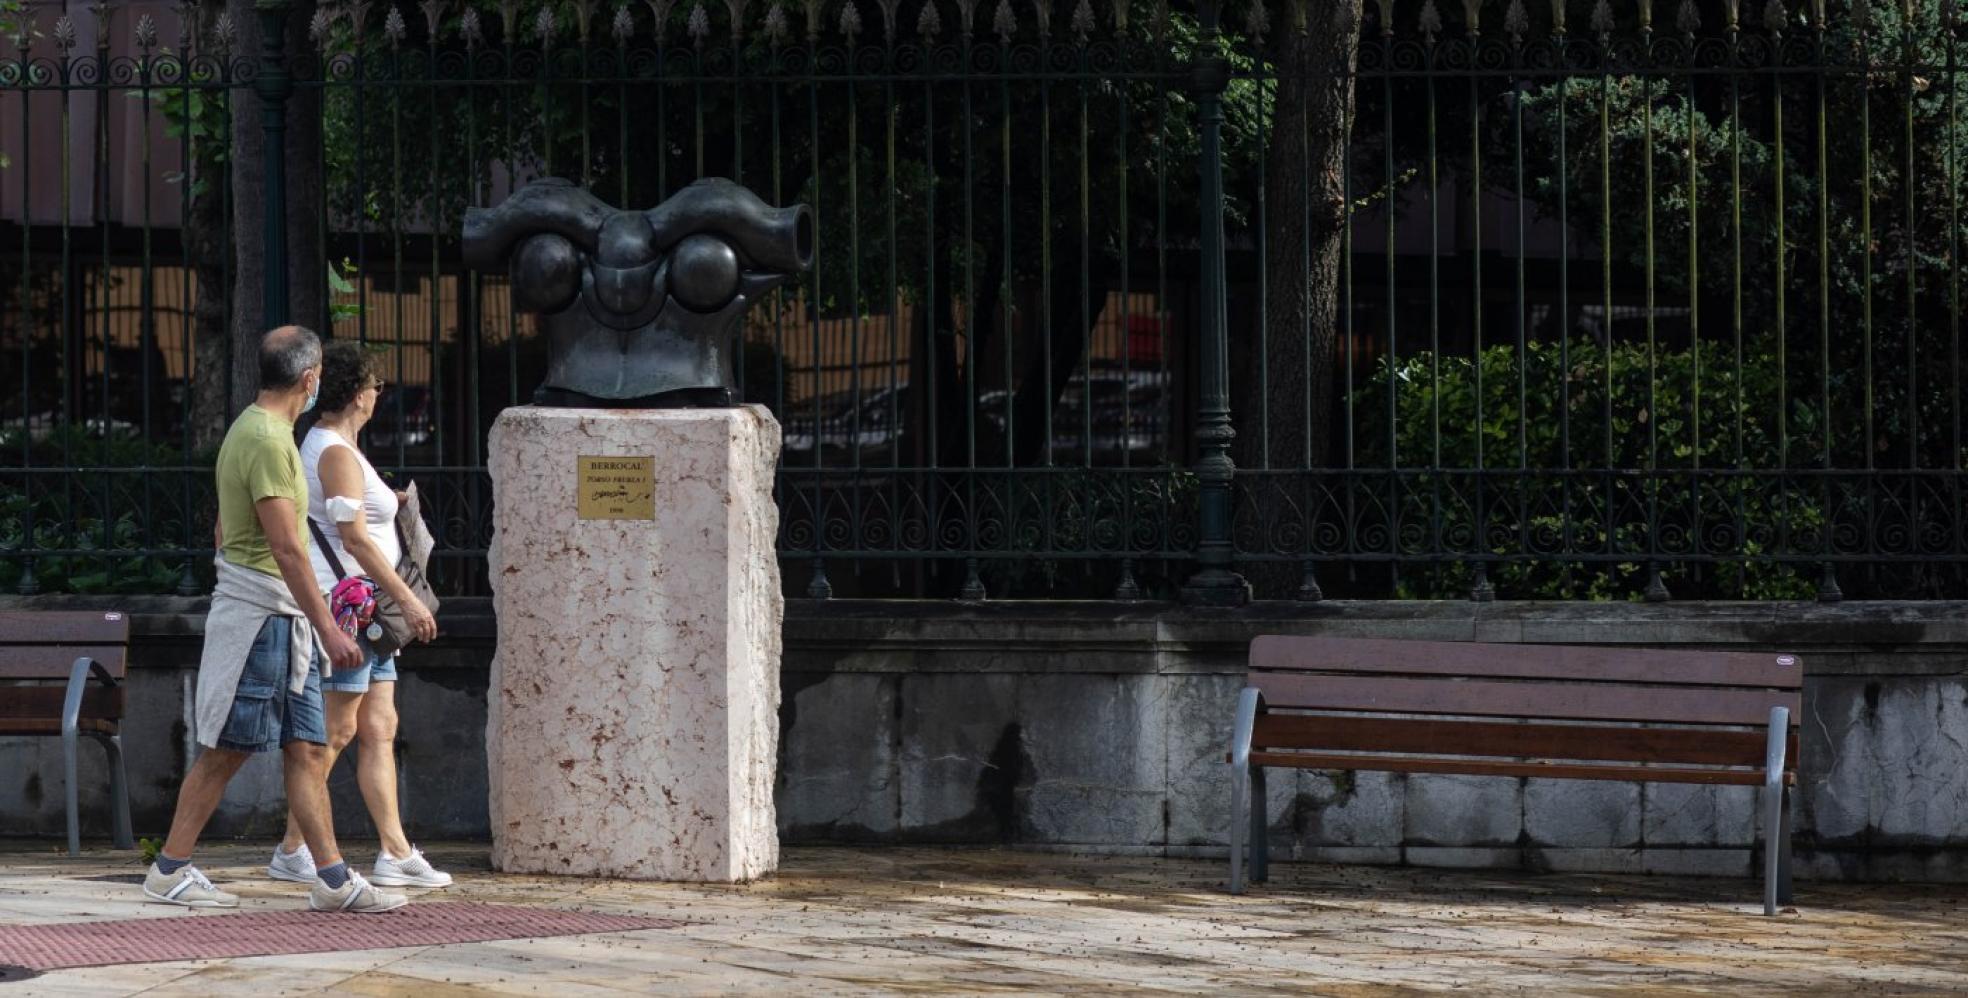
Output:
(286, 354)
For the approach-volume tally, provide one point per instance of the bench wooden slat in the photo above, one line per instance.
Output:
(34, 627)
(1478, 767)
(1686, 746)
(1539, 700)
(53, 661)
(22, 726)
(46, 702)
(1521, 661)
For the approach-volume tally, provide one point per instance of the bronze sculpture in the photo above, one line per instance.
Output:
(641, 309)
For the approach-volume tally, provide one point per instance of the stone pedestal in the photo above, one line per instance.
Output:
(632, 725)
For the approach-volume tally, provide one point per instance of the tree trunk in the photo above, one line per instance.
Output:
(1304, 228)
(306, 270)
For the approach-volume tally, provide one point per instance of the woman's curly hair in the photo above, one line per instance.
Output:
(346, 369)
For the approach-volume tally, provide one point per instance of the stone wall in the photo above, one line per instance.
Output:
(1103, 727)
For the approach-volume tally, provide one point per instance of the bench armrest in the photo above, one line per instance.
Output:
(1774, 759)
(1246, 723)
(78, 681)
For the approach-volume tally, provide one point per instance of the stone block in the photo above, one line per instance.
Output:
(1097, 747)
(837, 770)
(1349, 809)
(1699, 862)
(1465, 857)
(1463, 810)
(1685, 814)
(632, 729)
(1196, 749)
(1584, 860)
(1889, 763)
(1582, 814)
(963, 764)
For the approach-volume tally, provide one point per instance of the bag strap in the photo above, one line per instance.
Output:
(327, 550)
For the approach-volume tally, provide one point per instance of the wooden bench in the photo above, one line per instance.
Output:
(1548, 711)
(41, 649)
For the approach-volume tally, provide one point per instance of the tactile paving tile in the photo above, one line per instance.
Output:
(277, 933)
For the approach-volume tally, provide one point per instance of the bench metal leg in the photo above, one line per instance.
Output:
(1260, 838)
(1784, 895)
(119, 794)
(1776, 837)
(70, 790)
(1240, 784)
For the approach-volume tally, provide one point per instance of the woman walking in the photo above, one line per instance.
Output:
(355, 512)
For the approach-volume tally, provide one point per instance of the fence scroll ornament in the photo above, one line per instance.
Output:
(641, 309)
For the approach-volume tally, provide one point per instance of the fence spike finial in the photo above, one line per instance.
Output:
(776, 28)
(470, 29)
(100, 10)
(146, 33)
(64, 34)
(1083, 22)
(1472, 12)
(1121, 17)
(622, 25)
(1386, 17)
(26, 30)
(659, 16)
(698, 25)
(1042, 9)
(813, 11)
(966, 16)
(1734, 9)
(509, 19)
(1558, 18)
(888, 9)
(1687, 18)
(433, 17)
(1431, 21)
(394, 27)
(1602, 19)
(1257, 21)
(1646, 16)
(224, 33)
(583, 19)
(1004, 22)
(850, 22)
(543, 26)
(929, 23)
(1516, 21)
(737, 10)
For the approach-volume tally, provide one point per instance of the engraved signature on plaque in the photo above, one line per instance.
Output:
(617, 488)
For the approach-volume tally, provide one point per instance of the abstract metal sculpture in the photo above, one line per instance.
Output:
(641, 309)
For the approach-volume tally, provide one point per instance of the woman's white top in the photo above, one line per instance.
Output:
(375, 509)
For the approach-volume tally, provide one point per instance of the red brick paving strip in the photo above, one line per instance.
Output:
(278, 933)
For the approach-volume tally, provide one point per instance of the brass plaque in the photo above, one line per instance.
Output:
(617, 488)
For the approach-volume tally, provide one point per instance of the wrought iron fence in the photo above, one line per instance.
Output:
(1110, 301)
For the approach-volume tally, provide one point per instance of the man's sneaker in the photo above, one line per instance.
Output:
(414, 871)
(355, 895)
(187, 887)
(295, 867)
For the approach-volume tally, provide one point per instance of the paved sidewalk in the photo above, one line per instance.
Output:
(838, 921)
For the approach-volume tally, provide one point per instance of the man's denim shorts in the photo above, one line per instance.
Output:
(374, 669)
(265, 714)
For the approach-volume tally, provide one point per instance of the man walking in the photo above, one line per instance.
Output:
(259, 680)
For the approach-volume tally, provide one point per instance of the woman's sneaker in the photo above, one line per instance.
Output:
(294, 867)
(187, 887)
(354, 895)
(414, 871)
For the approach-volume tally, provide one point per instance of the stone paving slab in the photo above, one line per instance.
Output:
(915, 921)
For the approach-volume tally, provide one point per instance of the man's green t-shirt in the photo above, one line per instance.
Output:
(258, 461)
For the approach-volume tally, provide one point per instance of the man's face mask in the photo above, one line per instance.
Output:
(642, 309)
